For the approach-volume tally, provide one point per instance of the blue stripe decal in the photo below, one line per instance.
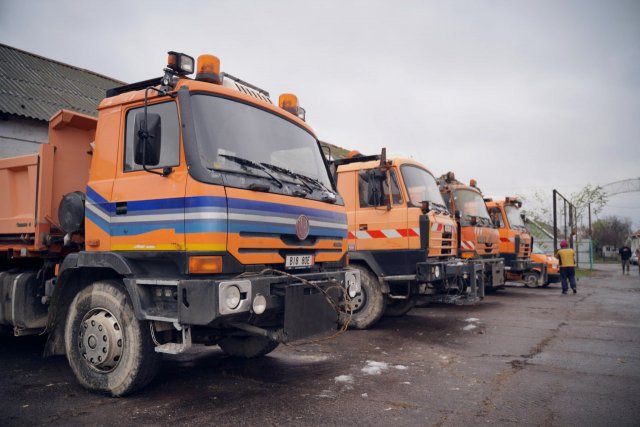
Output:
(132, 229)
(205, 201)
(206, 226)
(253, 206)
(155, 205)
(208, 204)
(101, 223)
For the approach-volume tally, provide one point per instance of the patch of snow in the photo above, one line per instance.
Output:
(469, 327)
(375, 368)
(344, 379)
(406, 382)
(364, 395)
(472, 319)
(400, 367)
(325, 393)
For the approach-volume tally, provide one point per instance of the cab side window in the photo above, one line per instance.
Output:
(170, 133)
(373, 189)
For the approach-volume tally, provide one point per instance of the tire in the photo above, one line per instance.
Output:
(369, 304)
(531, 279)
(101, 326)
(247, 347)
(398, 307)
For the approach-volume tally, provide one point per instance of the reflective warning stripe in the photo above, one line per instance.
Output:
(467, 244)
(393, 233)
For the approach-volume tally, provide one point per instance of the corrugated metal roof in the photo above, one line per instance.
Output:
(36, 87)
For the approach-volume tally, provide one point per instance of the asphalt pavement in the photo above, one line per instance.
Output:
(526, 357)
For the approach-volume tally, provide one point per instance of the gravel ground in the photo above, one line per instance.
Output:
(521, 357)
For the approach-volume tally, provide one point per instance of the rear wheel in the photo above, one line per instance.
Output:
(368, 306)
(398, 307)
(108, 349)
(531, 279)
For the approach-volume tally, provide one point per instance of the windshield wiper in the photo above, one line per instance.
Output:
(328, 196)
(440, 205)
(246, 162)
(288, 172)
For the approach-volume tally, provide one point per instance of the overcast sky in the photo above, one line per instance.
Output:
(523, 96)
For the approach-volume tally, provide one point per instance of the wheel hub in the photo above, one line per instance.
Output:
(101, 340)
(359, 300)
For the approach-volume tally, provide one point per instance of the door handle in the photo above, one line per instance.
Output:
(121, 208)
(362, 227)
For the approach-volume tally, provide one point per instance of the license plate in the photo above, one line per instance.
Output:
(298, 261)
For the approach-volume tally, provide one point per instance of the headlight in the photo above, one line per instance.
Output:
(232, 297)
(259, 304)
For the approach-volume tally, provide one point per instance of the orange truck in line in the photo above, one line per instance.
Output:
(402, 239)
(478, 237)
(192, 211)
(516, 243)
(539, 258)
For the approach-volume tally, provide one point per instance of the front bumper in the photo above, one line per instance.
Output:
(295, 306)
(493, 269)
(453, 281)
(519, 265)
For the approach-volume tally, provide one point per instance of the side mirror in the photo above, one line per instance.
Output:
(458, 215)
(147, 139)
(523, 217)
(376, 179)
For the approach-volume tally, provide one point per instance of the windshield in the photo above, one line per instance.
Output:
(537, 249)
(513, 215)
(471, 206)
(246, 144)
(421, 186)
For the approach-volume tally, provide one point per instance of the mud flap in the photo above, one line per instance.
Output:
(307, 312)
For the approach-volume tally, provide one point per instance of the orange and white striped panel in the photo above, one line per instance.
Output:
(385, 234)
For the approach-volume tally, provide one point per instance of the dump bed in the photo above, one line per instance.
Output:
(32, 186)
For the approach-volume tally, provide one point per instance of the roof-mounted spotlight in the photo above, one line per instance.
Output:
(180, 63)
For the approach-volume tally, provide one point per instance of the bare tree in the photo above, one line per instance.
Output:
(611, 231)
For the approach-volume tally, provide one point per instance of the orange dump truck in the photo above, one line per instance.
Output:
(516, 243)
(478, 237)
(401, 237)
(192, 211)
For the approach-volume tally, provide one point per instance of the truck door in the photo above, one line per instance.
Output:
(149, 207)
(381, 217)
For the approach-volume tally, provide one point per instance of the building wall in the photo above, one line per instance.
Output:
(20, 136)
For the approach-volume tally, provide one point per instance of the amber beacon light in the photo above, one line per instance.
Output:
(289, 102)
(208, 69)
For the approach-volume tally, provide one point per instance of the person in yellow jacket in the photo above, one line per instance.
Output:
(567, 259)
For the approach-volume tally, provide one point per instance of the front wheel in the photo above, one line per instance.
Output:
(531, 279)
(108, 349)
(367, 306)
(247, 347)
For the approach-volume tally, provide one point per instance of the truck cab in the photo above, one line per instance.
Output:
(401, 237)
(193, 211)
(478, 236)
(516, 243)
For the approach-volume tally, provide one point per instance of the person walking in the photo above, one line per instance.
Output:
(625, 255)
(567, 258)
